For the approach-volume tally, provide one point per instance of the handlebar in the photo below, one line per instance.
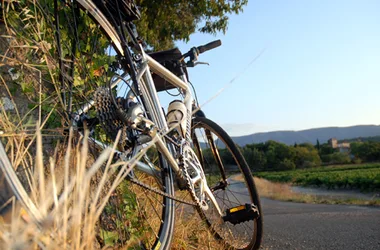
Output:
(209, 46)
(195, 51)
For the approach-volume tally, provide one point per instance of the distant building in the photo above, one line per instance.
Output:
(333, 142)
(344, 147)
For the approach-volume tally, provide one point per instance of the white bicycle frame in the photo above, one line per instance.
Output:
(153, 106)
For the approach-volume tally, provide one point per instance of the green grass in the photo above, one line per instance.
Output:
(365, 177)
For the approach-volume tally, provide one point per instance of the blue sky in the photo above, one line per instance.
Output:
(320, 67)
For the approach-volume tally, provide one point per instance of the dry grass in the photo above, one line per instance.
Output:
(69, 205)
(191, 232)
(280, 191)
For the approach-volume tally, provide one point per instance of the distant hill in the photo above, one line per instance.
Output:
(310, 135)
(362, 139)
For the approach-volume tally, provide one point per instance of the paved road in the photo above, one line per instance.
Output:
(290, 225)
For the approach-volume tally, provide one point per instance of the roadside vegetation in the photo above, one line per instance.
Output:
(279, 166)
(275, 156)
(284, 192)
(365, 177)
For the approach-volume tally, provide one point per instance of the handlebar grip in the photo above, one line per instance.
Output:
(209, 46)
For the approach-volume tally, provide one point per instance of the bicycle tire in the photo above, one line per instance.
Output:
(232, 168)
(156, 236)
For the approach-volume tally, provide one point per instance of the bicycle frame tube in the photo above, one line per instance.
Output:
(149, 92)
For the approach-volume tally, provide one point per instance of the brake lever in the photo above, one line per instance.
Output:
(206, 63)
(191, 64)
(193, 54)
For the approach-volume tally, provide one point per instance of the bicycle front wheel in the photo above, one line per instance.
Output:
(232, 184)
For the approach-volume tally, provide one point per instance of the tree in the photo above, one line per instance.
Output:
(306, 157)
(165, 21)
(276, 153)
(307, 145)
(326, 149)
(226, 156)
(367, 151)
(318, 145)
(256, 159)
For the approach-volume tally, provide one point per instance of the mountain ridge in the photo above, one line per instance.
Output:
(323, 134)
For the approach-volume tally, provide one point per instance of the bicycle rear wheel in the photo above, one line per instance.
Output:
(232, 184)
(78, 64)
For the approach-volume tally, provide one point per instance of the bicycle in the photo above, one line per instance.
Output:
(194, 154)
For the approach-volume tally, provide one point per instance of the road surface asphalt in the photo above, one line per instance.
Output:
(289, 225)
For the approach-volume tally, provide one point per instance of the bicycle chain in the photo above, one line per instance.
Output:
(159, 192)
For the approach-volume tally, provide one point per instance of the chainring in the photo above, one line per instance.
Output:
(191, 169)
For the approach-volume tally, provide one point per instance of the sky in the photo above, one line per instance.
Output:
(296, 65)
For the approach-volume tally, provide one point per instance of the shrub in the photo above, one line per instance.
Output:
(336, 158)
(287, 165)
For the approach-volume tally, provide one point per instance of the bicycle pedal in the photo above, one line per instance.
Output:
(241, 214)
